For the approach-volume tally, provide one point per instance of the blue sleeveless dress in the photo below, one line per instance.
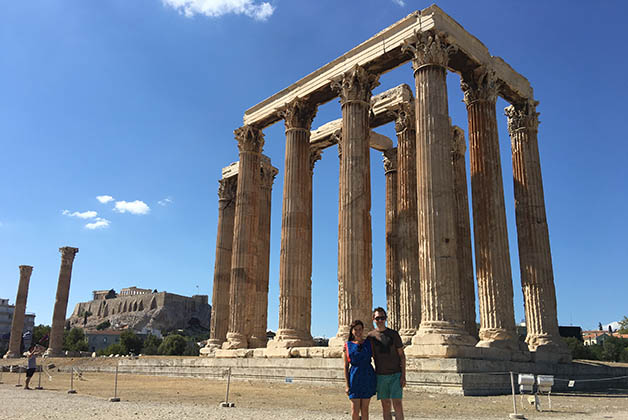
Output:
(362, 379)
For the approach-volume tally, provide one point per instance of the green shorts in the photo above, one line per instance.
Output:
(389, 387)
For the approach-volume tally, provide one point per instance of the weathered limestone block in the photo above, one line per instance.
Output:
(392, 240)
(17, 324)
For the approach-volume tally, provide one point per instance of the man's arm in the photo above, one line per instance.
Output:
(402, 361)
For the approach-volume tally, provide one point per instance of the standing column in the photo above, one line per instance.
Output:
(535, 257)
(441, 333)
(17, 325)
(355, 295)
(407, 223)
(246, 224)
(492, 256)
(463, 232)
(295, 261)
(222, 265)
(55, 345)
(392, 240)
(260, 320)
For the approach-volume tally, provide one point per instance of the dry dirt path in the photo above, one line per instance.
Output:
(166, 398)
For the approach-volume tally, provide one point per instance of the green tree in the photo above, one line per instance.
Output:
(115, 348)
(130, 342)
(623, 326)
(103, 325)
(74, 340)
(191, 348)
(41, 334)
(173, 345)
(151, 345)
(612, 349)
(578, 349)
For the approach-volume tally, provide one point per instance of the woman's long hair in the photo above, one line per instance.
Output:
(352, 326)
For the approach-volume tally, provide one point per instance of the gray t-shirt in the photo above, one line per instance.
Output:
(32, 362)
(385, 351)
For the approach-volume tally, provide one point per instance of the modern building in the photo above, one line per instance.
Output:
(6, 318)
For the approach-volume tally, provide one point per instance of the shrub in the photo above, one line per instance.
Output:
(173, 345)
(115, 348)
(130, 342)
(151, 345)
(103, 325)
(74, 340)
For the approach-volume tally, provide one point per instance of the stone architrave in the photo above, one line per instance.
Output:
(441, 333)
(246, 225)
(55, 345)
(463, 232)
(355, 295)
(260, 319)
(492, 256)
(535, 257)
(17, 324)
(407, 224)
(392, 240)
(222, 269)
(295, 261)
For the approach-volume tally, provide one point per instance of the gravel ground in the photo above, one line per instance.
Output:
(164, 398)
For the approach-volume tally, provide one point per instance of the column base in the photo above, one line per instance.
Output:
(256, 342)
(406, 335)
(235, 341)
(54, 353)
(548, 348)
(341, 337)
(286, 338)
(500, 338)
(442, 339)
(11, 355)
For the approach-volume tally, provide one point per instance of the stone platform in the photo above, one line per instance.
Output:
(448, 376)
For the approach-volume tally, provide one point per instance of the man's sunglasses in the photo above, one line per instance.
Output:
(380, 318)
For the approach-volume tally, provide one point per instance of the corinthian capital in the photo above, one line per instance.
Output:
(227, 188)
(390, 160)
(298, 114)
(315, 156)
(522, 116)
(68, 253)
(355, 85)
(404, 117)
(267, 176)
(249, 138)
(481, 85)
(428, 48)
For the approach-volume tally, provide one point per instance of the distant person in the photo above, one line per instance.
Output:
(390, 365)
(31, 355)
(359, 374)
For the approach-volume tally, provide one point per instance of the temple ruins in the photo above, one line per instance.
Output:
(429, 266)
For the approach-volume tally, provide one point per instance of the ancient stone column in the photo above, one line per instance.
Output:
(463, 232)
(295, 261)
(55, 345)
(492, 256)
(535, 257)
(355, 295)
(407, 224)
(246, 224)
(17, 324)
(222, 266)
(392, 240)
(260, 319)
(441, 332)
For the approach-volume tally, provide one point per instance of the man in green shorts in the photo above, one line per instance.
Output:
(390, 365)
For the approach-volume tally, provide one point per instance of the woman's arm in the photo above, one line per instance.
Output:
(346, 361)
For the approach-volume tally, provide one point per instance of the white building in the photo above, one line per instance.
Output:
(6, 318)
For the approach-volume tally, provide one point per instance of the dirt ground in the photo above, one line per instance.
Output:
(270, 400)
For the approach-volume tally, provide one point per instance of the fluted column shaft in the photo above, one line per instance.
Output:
(260, 319)
(17, 324)
(492, 256)
(55, 345)
(535, 257)
(355, 295)
(407, 224)
(295, 261)
(222, 266)
(441, 332)
(246, 225)
(392, 239)
(463, 233)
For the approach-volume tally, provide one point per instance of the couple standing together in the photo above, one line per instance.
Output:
(389, 377)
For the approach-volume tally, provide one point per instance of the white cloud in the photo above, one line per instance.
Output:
(216, 8)
(399, 2)
(90, 214)
(99, 223)
(104, 198)
(133, 207)
(165, 201)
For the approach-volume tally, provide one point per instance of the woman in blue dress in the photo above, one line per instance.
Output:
(359, 374)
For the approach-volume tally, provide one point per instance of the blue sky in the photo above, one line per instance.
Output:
(138, 100)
